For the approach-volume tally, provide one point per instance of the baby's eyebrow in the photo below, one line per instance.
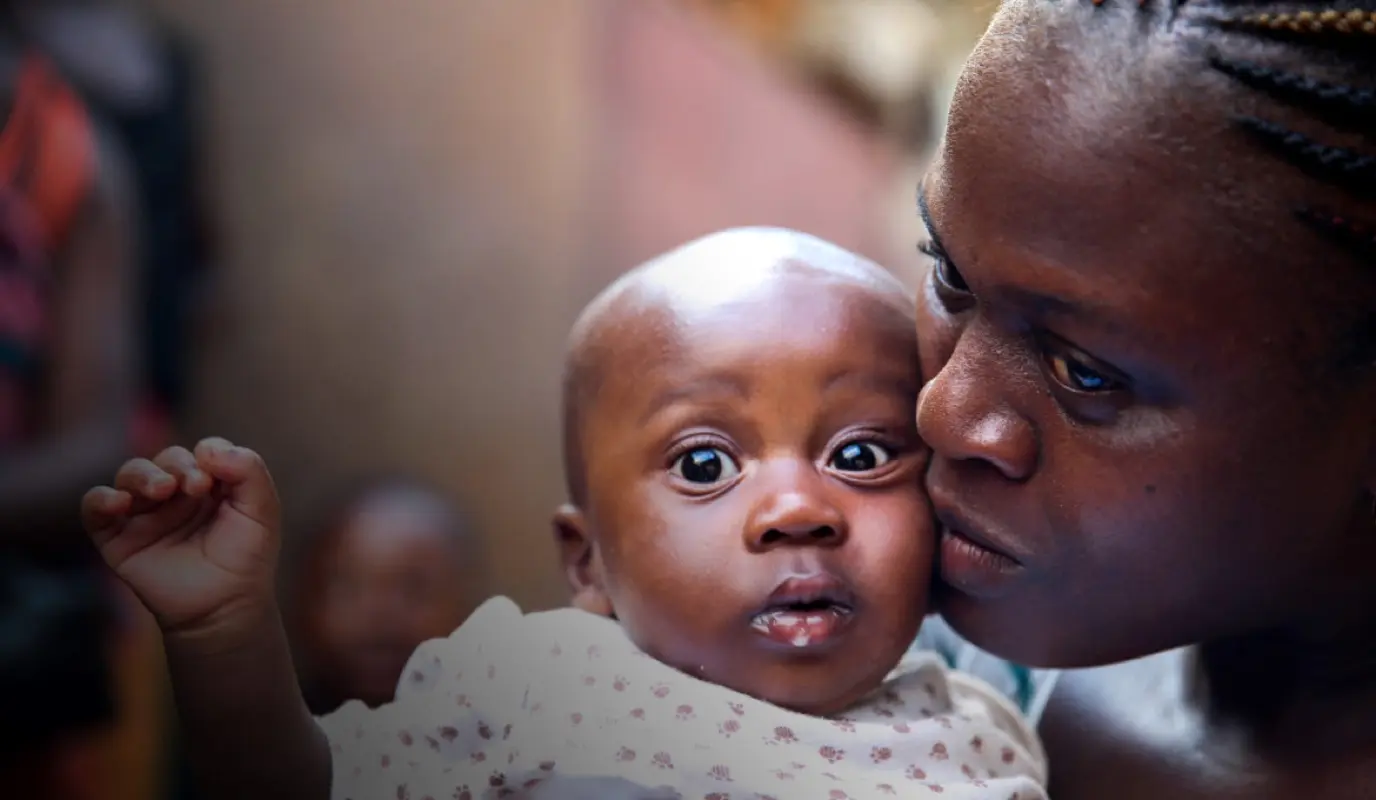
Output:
(716, 384)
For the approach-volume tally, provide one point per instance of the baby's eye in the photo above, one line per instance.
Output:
(705, 466)
(1077, 376)
(860, 457)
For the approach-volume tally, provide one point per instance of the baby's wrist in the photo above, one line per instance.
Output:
(241, 625)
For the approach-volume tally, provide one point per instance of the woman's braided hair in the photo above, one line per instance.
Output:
(1341, 34)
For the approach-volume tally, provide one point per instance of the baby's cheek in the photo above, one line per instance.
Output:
(895, 545)
(674, 612)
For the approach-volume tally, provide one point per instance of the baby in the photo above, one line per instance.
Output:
(748, 546)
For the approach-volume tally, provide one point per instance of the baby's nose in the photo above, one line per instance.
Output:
(799, 515)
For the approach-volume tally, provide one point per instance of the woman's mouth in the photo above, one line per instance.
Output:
(970, 567)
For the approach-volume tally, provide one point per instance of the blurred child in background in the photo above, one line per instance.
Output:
(393, 566)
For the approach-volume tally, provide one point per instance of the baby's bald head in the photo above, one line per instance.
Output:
(654, 308)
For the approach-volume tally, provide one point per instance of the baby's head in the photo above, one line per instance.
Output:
(392, 567)
(744, 466)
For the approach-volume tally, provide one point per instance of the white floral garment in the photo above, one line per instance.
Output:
(511, 699)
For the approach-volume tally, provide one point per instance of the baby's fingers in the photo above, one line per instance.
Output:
(243, 472)
(181, 464)
(101, 510)
(145, 480)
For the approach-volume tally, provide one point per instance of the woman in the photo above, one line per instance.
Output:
(1149, 336)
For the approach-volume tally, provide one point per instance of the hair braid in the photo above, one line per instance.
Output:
(1343, 39)
(1347, 107)
(1341, 36)
(1354, 22)
(1349, 169)
(1355, 234)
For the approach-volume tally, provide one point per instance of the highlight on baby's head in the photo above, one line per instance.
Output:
(744, 469)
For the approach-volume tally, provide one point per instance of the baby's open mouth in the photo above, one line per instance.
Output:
(802, 618)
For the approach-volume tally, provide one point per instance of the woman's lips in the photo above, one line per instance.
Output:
(973, 561)
(970, 567)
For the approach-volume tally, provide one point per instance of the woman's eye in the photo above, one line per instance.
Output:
(705, 466)
(860, 457)
(1078, 377)
(946, 273)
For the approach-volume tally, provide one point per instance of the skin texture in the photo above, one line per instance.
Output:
(1132, 353)
(393, 574)
(771, 353)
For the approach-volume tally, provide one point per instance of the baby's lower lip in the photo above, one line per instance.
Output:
(801, 629)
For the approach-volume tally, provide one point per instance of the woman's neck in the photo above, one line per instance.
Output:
(1303, 693)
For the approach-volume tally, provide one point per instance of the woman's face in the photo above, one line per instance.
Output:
(1131, 351)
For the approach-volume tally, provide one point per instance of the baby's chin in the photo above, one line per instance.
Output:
(821, 701)
(816, 689)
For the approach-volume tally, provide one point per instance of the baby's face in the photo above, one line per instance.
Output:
(754, 490)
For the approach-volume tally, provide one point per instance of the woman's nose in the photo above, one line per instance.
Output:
(962, 413)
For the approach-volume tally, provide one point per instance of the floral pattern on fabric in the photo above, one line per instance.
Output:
(510, 700)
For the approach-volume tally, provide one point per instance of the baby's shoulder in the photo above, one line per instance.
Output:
(924, 698)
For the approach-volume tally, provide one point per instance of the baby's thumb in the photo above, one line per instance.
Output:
(244, 476)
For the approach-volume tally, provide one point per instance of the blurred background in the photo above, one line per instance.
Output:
(352, 235)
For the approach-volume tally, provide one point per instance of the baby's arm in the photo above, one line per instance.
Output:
(245, 725)
(196, 536)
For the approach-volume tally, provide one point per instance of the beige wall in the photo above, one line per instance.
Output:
(417, 197)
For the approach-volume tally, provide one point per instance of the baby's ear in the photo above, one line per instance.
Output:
(581, 561)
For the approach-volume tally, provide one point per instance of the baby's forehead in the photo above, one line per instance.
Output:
(748, 308)
(750, 296)
(805, 323)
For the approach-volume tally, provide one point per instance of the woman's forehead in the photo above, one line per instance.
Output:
(1151, 208)
(1141, 173)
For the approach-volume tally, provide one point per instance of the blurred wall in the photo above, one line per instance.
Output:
(416, 198)
(696, 134)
